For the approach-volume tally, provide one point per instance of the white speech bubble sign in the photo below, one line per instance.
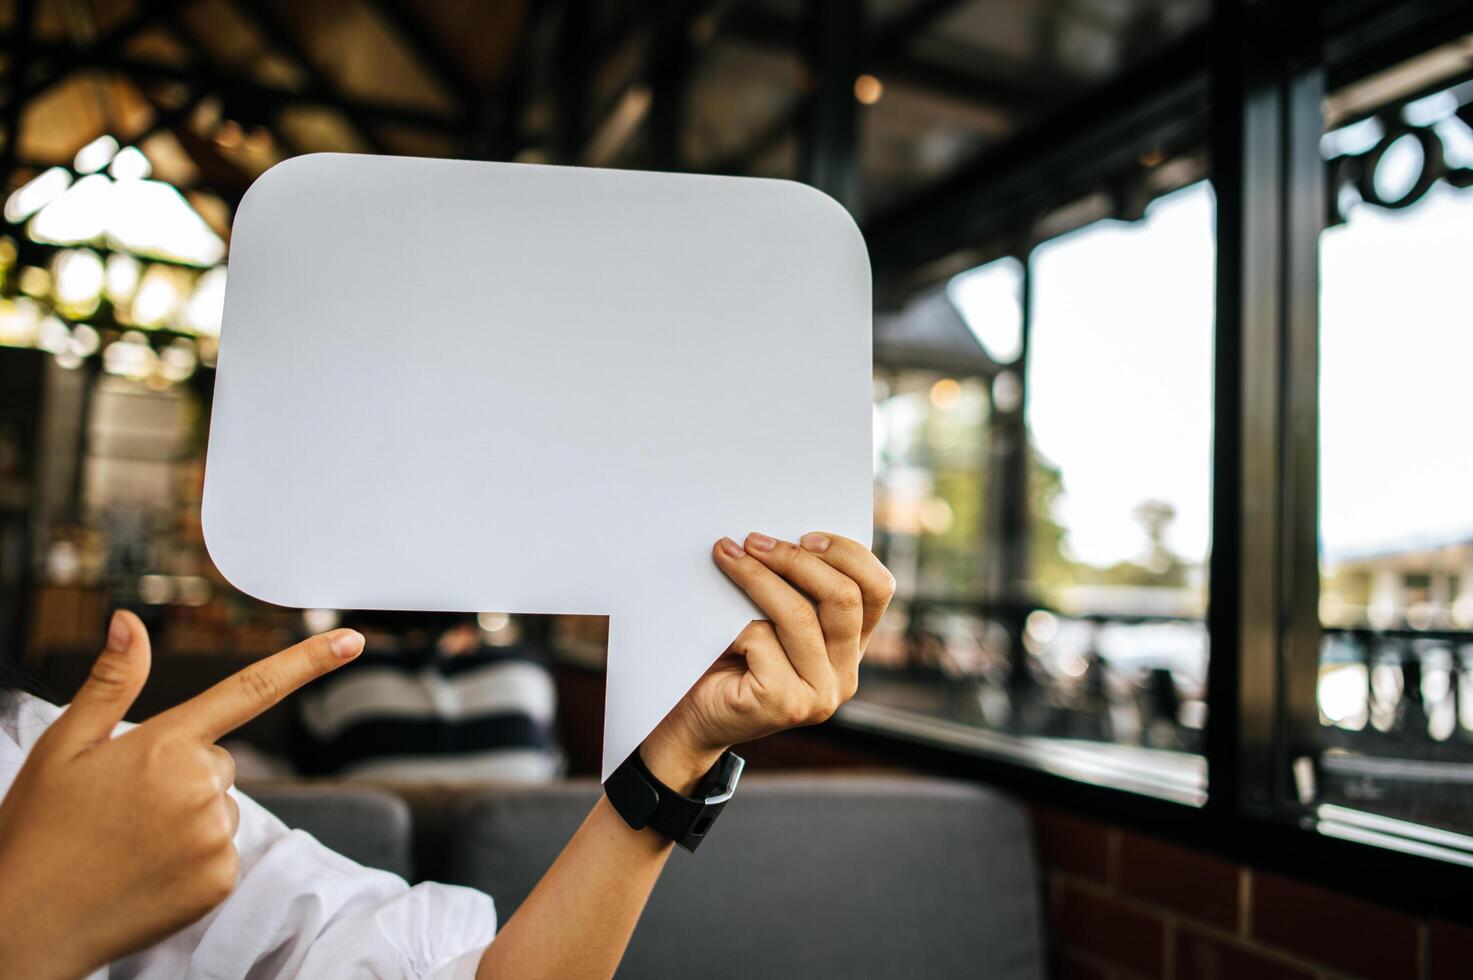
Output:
(461, 386)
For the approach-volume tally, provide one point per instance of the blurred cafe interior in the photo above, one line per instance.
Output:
(1178, 680)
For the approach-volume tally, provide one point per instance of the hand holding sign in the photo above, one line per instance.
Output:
(822, 597)
(109, 844)
(489, 387)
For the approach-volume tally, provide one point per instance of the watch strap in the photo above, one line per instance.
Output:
(643, 801)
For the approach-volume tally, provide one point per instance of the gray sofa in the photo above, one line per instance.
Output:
(370, 825)
(809, 876)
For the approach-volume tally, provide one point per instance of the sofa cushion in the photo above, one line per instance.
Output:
(808, 876)
(369, 825)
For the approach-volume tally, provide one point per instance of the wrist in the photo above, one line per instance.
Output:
(677, 762)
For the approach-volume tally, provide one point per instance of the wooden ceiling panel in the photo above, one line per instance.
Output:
(216, 212)
(416, 142)
(352, 48)
(480, 38)
(312, 130)
(171, 163)
(72, 113)
(1053, 46)
(158, 46)
(77, 23)
(1011, 29)
(737, 92)
(105, 14)
(911, 138)
(229, 38)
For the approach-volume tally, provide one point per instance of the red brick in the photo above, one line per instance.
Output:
(1183, 881)
(1203, 957)
(1105, 928)
(1451, 952)
(1338, 931)
(1070, 844)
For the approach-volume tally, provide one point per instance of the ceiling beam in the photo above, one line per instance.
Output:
(238, 87)
(20, 51)
(833, 49)
(410, 28)
(768, 138)
(884, 55)
(68, 58)
(998, 92)
(216, 171)
(280, 36)
(627, 22)
(497, 120)
(889, 42)
(175, 119)
(676, 31)
(573, 51)
(669, 67)
(1161, 102)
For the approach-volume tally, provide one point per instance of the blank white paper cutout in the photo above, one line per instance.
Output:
(447, 385)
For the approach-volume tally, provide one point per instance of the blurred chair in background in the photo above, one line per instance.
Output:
(430, 700)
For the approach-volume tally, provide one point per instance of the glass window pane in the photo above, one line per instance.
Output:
(931, 446)
(1396, 523)
(1120, 410)
(1120, 417)
(990, 300)
(1055, 616)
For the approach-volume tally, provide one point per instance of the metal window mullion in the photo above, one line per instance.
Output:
(1303, 220)
(670, 69)
(1261, 472)
(571, 88)
(1013, 578)
(1268, 95)
(1247, 108)
(834, 34)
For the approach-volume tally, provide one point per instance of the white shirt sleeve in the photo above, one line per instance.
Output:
(300, 910)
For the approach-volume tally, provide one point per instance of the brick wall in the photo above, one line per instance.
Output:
(1122, 906)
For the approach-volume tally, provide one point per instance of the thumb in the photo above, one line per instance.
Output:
(117, 677)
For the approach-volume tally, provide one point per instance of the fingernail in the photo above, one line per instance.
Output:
(732, 549)
(119, 633)
(814, 542)
(347, 645)
(761, 541)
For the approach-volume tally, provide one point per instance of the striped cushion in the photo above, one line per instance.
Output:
(486, 714)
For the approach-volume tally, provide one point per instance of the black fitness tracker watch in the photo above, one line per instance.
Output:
(643, 801)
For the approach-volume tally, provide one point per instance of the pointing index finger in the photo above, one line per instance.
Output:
(239, 698)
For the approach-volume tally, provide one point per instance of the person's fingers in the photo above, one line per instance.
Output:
(840, 602)
(769, 666)
(791, 613)
(875, 582)
(224, 765)
(232, 814)
(118, 674)
(241, 697)
(786, 700)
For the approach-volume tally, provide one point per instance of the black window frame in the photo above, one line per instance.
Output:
(1251, 87)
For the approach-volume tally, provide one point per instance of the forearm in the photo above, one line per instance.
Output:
(580, 916)
(794, 668)
(578, 920)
